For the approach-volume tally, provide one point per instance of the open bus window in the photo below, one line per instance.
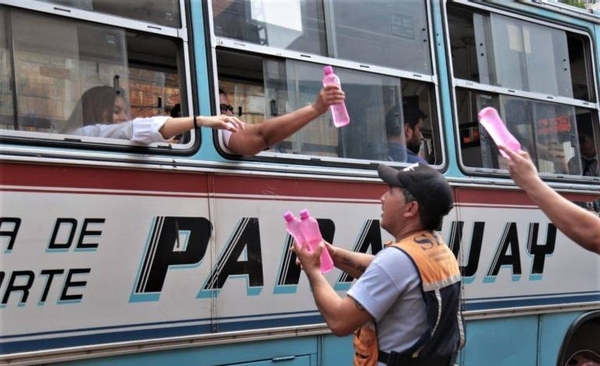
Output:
(264, 87)
(359, 31)
(57, 60)
(543, 85)
(553, 134)
(164, 12)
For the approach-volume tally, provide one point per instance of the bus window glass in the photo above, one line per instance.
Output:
(70, 74)
(498, 50)
(164, 12)
(56, 62)
(382, 33)
(294, 24)
(530, 57)
(553, 134)
(259, 88)
(6, 78)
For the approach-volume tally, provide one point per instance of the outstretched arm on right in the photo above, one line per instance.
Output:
(580, 225)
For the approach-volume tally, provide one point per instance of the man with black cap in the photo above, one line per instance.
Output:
(405, 306)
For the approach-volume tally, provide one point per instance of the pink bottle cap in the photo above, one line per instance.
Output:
(304, 214)
(491, 121)
(288, 216)
(328, 70)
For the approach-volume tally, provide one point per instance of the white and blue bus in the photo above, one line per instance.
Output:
(116, 253)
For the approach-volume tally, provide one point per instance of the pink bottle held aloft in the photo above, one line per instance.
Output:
(309, 227)
(491, 121)
(338, 111)
(292, 225)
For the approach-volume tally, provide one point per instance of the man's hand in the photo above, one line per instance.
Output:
(329, 95)
(309, 261)
(520, 167)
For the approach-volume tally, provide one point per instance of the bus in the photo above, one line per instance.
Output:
(116, 252)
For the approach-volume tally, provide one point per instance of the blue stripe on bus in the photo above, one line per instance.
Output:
(131, 335)
(230, 324)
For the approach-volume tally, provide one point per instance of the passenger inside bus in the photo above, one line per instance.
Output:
(590, 166)
(102, 112)
(403, 140)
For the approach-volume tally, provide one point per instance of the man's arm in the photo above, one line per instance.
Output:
(257, 137)
(350, 262)
(578, 224)
(343, 315)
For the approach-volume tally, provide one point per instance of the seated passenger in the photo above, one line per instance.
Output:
(589, 159)
(403, 144)
(101, 112)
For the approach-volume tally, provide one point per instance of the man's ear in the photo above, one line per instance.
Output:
(407, 130)
(412, 210)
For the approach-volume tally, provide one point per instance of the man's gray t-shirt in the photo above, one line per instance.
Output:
(390, 291)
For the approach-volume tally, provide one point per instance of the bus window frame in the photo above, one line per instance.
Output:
(74, 142)
(478, 87)
(234, 45)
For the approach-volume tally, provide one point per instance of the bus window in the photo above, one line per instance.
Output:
(265, 87)
(58, 60)
(7, 89)
(539, 91)
(551, 133)
(164, 12)
(262, 86)
(293, 24)
(361, 32)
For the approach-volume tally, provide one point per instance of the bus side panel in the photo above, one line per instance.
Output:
(492, 342)
(553, 328)
(337, 350)
(285, 352)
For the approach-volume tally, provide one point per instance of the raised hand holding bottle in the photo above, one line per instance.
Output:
(309, 227)
(339, 113)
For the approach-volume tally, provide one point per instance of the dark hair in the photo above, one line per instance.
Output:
(175, 111)
(411, 114)
(95, 106)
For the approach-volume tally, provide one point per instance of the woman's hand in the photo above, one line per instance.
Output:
(222, 122)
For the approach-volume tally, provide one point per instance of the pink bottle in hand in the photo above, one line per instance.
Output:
(292, 225)
(491, 121)
(338, 111)
(310, 230)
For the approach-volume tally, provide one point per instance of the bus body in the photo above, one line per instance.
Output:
(176, 252)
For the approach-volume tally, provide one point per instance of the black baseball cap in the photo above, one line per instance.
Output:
(427, 185)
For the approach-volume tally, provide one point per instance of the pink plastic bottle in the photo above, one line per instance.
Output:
(491, 121)
(292, 225)
(310, 230)
(338, 111)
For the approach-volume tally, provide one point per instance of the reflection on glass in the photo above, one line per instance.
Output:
(547, 131)
(525, 54)
(164, 12)
(388, 33)
(294, 24)
(56, 61)
(6, 87)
